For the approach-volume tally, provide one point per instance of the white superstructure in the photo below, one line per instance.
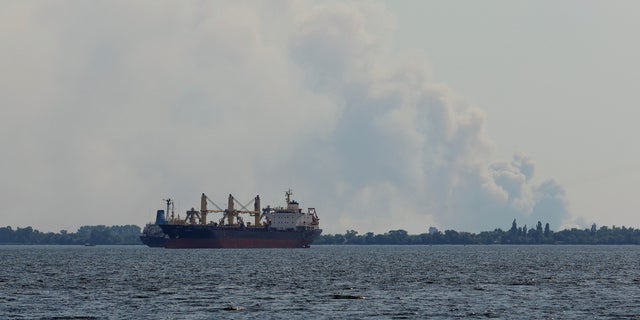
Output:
(291, 217)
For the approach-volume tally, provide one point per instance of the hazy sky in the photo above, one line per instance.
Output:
(381, 115)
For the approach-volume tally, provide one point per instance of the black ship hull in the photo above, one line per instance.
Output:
(208, 236)
(154, 241)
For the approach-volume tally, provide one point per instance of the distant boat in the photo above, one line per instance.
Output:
(152, 234)
(89, 244)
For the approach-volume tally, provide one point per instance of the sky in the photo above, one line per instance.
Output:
(381, 115)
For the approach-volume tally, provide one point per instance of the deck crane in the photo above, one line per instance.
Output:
(230, 213)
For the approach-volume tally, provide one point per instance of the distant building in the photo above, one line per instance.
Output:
(433, 230)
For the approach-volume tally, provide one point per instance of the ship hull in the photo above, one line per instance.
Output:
(198, 236)
(154, 241)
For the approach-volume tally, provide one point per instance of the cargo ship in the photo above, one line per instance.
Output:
(277, 227)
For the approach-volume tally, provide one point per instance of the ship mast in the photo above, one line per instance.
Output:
(169, 202)
(256, 209)
(231, 212)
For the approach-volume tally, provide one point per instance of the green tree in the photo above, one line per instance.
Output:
(547, 231)
(539, 227)
(398, 236)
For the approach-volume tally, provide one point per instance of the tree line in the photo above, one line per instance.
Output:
(97, 235)
(539, 234)
(515, 235)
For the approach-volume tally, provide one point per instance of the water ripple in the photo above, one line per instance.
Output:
(324, 282)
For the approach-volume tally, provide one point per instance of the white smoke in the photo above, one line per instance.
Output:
(100, 120)
(404, 145)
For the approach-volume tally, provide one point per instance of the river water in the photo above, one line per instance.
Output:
(322, 282)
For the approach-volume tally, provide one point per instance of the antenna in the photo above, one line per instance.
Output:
(170, 206)
(289, 194)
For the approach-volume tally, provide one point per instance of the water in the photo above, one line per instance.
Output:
(323, 282)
